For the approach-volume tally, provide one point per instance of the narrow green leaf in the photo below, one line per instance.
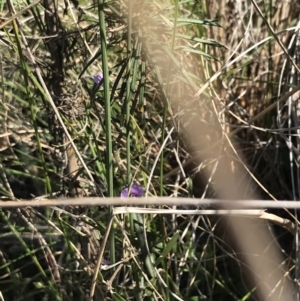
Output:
(188, 21)
(197, 51)
(170, 245)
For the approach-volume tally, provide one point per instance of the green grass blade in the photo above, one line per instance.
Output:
(109, 147)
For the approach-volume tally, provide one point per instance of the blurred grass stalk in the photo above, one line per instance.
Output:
(267, 279)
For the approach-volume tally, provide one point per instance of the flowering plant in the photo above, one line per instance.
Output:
(135, 191)
(97, 78)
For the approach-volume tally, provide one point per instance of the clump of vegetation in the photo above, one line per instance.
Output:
(126, 98)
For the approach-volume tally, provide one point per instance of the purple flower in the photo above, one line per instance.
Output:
(97, 78)
(135, 191)
(105, 262)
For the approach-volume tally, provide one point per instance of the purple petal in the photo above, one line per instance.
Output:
(105, 262)
(97, 78)
(124, 193)
(136, 191)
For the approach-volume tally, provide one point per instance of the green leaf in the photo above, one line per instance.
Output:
(197, 51)
(202, 41)
(117, 297)
(171, 245)
(188, 21)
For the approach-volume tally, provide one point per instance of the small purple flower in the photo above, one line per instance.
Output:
(135, 191)
(96, 78)
(105, 262)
